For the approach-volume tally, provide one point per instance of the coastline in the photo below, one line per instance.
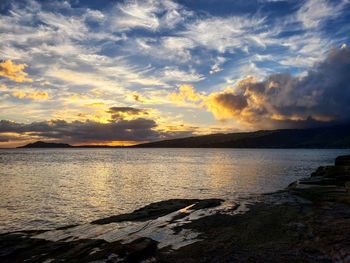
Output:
(309, 221)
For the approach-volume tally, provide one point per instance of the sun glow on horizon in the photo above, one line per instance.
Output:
(136, 71)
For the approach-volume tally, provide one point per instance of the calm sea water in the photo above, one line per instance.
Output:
(46, 188)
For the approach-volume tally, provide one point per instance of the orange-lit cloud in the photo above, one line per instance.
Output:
(186, 93)
(135, 96)
(12, 71)
(282, 100)
(95, 104)
(35, 95)
(122, 126)
(226, 104)
(186, 96)
(126, 113)
(150, 97)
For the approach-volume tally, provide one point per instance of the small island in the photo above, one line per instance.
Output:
(41, 144)
(309, 221)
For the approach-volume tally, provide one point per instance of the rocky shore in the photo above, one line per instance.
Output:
(307, 222)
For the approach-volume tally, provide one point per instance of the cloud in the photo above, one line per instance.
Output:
(89, 132)
(104, 77)
(74, 27)
(35, 95)
(121, 113)
(149, 14)
(186, 96)
(282, 100)
(139, 129)
(315, 12)
(226, 104)
(166, 48)
(4, 138)
(13, 71)
(125, 125)
(130, 110)
(216, 67)
(95, 104)
(225, 34)
(175, 74)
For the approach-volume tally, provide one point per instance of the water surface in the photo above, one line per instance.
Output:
(46, 188)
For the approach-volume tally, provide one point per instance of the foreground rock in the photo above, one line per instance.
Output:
(307, 222)
(343, 160)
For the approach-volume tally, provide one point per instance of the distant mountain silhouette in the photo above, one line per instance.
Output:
(41, 144)
(326, 137)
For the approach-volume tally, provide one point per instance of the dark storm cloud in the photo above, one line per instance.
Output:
(125, 124)
(282, 100)
(139, 129)
(237, 102)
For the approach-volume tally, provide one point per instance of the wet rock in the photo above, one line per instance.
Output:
(18, 248)
(206, 203)
(332, 172)
(158, 209)
(342, 160)
(326, 184)
(266, 233)
(141, 249)
(66, 227)
(149, 212)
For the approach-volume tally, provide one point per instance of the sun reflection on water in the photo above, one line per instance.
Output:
(46, 188)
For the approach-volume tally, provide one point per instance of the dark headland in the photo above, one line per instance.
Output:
(41, 144)
(324, 137)
(309, 221)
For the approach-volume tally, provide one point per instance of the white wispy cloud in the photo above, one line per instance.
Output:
(177, 75)
(149, 14)
(168, 50)
(216, 67)
(224, 34)
(315, 12)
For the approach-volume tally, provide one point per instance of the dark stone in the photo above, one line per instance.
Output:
(19, 248)
(158, 209)
(66, 227)
(318, 181)
(326, 184)
(332, 171)
(207, 203)
(342, 160)
(141, 249)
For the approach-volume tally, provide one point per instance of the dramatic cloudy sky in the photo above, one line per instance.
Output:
(123, 72)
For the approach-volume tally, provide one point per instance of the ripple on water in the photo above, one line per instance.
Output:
(47, 188)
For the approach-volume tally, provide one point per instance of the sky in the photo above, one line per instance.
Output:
(127, 72)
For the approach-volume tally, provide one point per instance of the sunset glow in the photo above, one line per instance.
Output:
(126, 72)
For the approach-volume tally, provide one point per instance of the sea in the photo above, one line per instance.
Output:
(49, 188)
